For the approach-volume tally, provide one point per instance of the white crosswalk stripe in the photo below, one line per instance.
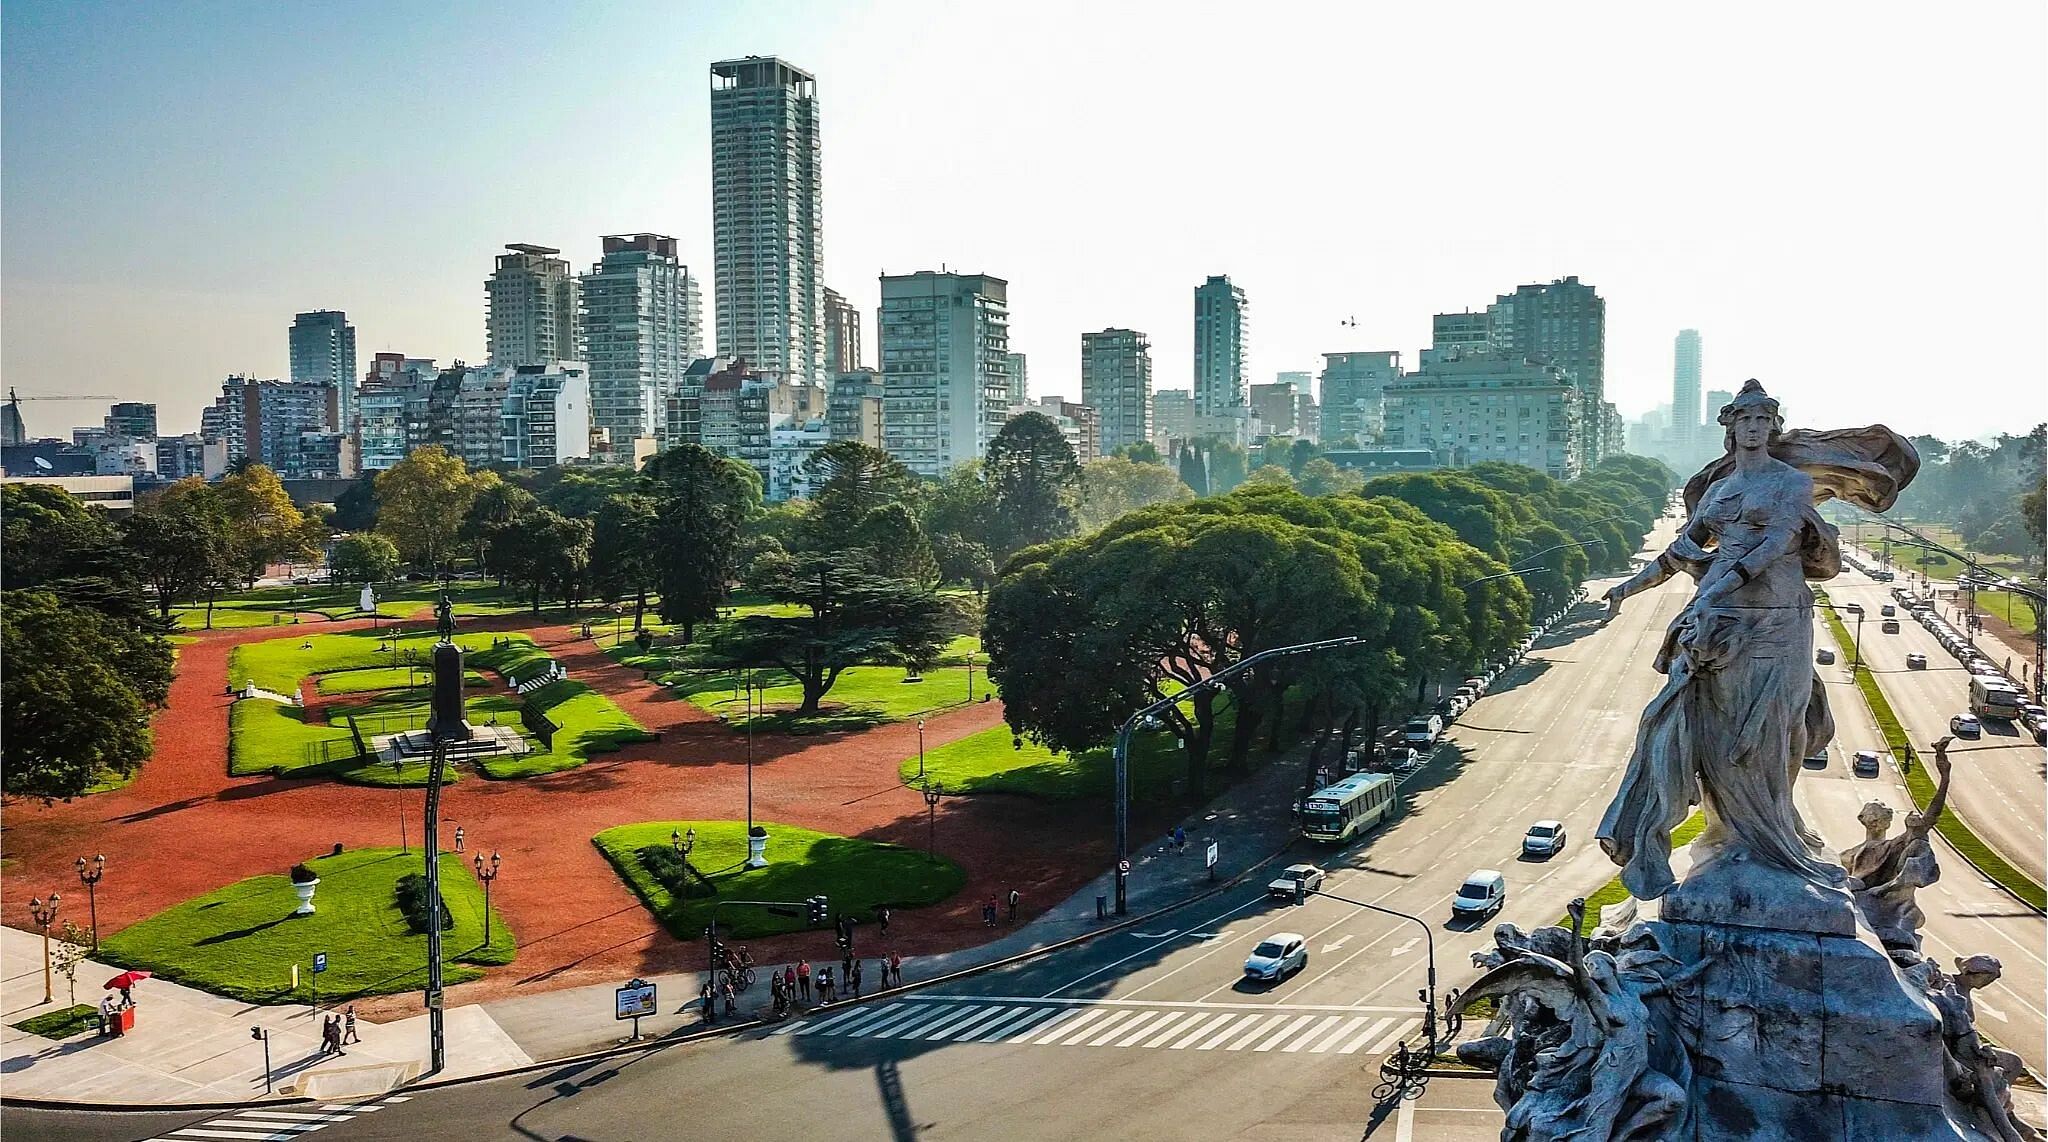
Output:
(1255, 1028)
(274, 1123)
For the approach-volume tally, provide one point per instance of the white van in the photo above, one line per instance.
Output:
(1423, 731)
(1481, 895)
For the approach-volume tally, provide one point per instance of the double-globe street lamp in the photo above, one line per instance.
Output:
(682, 843)
(44, 915)
(932, 793)
(485, 874)
(89, 873)
(1122, 751)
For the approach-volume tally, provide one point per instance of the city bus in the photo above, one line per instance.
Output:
(1340, 812)
(1994, 698)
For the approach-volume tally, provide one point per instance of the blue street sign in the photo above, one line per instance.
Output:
(319, 962)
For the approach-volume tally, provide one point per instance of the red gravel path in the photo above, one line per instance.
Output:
(184, 827)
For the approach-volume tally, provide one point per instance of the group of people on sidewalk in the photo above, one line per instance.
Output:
(991, 911)
(796, 984)
(336, 1030)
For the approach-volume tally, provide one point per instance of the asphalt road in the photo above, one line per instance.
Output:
(2001, 780)
(1150, 1033)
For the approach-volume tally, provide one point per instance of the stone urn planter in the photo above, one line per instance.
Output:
(757, 848)
(303, 883)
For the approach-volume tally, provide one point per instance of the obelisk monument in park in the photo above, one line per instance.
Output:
(1778, 995)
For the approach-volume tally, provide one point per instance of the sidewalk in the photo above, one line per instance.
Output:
(189, 1046)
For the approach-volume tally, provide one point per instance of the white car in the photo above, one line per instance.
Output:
(1544, 838)
(1480, 896)
(1277, 957)
(1306, 876)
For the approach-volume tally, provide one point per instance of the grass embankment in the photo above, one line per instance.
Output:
(863, 696)
(263, 606)
(587, 722)
(1951, 826)
(62, 1023)
(242, 940)
(2013, 610)
(856, 875)
(992, 761)
(1614, 891)
(373, 678)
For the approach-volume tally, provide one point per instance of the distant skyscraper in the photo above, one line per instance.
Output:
(530, 308)
(945, 352)
(842, 335)
(1467, 330)
(767, 217)
(1717, 399)
(1563, 323)
(1685, 389)
(1354, 394)
(132, 419)
(1219, 348)
(1020, 379)
(642, 326)
(1173, 414)
(323, 350)
(1116, 380)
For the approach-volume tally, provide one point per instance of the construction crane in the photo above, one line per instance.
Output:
(14, 399)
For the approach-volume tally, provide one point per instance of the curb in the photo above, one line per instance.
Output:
(677, 1038)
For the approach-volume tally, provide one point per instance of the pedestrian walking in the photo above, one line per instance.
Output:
(825, 984)
(107, 1009)
(853, 978)
(988, 911)
(458, 838)
(709, 1001)
(731, 1008)
(1180, 839)
(803, 979)
(882, 969)
(882, 918)
(789, 982)
(775, 994)
(896, 968)
(1015, 896)
(348, 1034)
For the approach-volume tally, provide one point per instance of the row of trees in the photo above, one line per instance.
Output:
(1992, 494)
(87, 663)
(1082, 632)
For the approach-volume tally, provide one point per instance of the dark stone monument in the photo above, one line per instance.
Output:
(445, 716)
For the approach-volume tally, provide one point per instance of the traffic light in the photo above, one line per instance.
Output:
(256, 1033)
(815, 909)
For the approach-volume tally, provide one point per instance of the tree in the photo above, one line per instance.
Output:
(890, 543)
(855, 618)
(702, 501)
(552, 557)
(1142, 452)
(1320, 477)
(181, 545)
(1033, 479)
(363, 557)
(1193, 472)
(487, 526)
(622, 557)
(849, 479)
(76, 697)
(1111, 487)
(964, 561)
(356, 508)
(263, 523)
(1227, 466)
(960, 505)
(54, 541)
(423, 501)
(1269, 476)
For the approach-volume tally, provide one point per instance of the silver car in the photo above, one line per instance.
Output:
(1277, 957)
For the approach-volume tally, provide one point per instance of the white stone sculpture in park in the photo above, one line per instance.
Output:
(1777, 995)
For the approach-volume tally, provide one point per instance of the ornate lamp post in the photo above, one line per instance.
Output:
(486, 874)
(682, 843)
(45, 915)
(89, 874)
(932, 793)
(970, 676)
(920, 749)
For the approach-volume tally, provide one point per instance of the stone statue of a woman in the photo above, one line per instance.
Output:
(1741, 706)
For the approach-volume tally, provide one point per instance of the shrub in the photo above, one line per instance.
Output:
(412, 900)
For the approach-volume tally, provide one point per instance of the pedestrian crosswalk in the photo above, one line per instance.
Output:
(262, 1123)
(1255, 1028)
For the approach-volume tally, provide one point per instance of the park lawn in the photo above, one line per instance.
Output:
(225, 618)
(242, 940)
(266, 736)
(955, 653)
(62, 1023)
(516, 658)
(863, 696)
(2014, 610)
(1614, 891)
(588, 724)
(279, 664)
(370, 678)
(855, 875)
(992, 761)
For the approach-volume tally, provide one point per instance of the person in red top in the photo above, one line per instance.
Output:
(803, 980)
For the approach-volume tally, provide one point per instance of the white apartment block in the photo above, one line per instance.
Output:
(790, 445)
(642, 327)
(1477, 405)
(767, 217)
(545, 419)
(945, 353)
(530, 314)
(1116, 380)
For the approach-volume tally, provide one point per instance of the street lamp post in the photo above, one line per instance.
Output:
(89, 875)
(970, 676)
(486, 874)
(45, 915)
(1429, 937)
(752, 706)
(682, 843)
(932, 793)
(920, 749)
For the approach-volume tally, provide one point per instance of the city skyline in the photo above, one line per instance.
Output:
(1753, 209)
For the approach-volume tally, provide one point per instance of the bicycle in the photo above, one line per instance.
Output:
(1402, 1075)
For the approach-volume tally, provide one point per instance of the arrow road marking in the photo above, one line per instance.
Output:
(1156, 935)
(1339, 942)
(1987, 1009)
(1403, 949)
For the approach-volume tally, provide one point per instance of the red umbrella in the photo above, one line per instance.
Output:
(126, 979)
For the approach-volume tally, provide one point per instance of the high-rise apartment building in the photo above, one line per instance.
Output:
(1116, 381)
(1274, 406)
(1563, 323)
(323, 352)
(1173, 415)
(945, 351)
(1219, 349)
(642, 327)
(545, 419)
(1717, 399)
(767, 217)
(1685, 389)
(1467, 330)
(1020, 380)
(1354, 394)
(1080, 424)
(263, 421)
(133, 419)
(1308, 419)
(530, 315)
(1473, 405)
(842, 335)
(853, 410)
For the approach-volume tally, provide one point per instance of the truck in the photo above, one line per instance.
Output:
(1993, 697)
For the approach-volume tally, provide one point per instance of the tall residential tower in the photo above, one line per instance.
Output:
(1219, 349)
(945, 352)
(1685, 389)
(642, 326)
(767, 217)
(323, 350)
(530, 308)
(1116, 380)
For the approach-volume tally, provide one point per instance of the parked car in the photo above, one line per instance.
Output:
(1916, 661)
(1966, 726)
(1306, 877)
(1423, 730)
(1544, 838)
(1824, 656)
(1277, 957)
(1480, 896)
(1864, 764)
(1818, 759)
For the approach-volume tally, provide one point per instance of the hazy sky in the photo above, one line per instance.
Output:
(1846, 200)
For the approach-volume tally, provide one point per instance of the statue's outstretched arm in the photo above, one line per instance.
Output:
(1922, 821)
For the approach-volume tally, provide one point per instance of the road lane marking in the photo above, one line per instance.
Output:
(1281, 1035)
(1009, 1024)
(1252, 1030)
(1145, 1025)
(1086, 1018)
(1393, 1037)
(1174, 1023)
(1200, 1028)
(931, 1028)
(1113, 1026)
(1033, 1000)
(975, 1026)
(1366, 1036)
(1344, 1028)
(1060, 1020)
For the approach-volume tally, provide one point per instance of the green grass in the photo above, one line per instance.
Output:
(226, 618)
(863, 696)
(370, 678)
(955, 653)
(280, 664)
(62, 1024)
(1951, 826)
(1614, 892)
(855, 874)
(241, 941)
(2012, 609)
(272, 737)
(993, 762)
(589, 724)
